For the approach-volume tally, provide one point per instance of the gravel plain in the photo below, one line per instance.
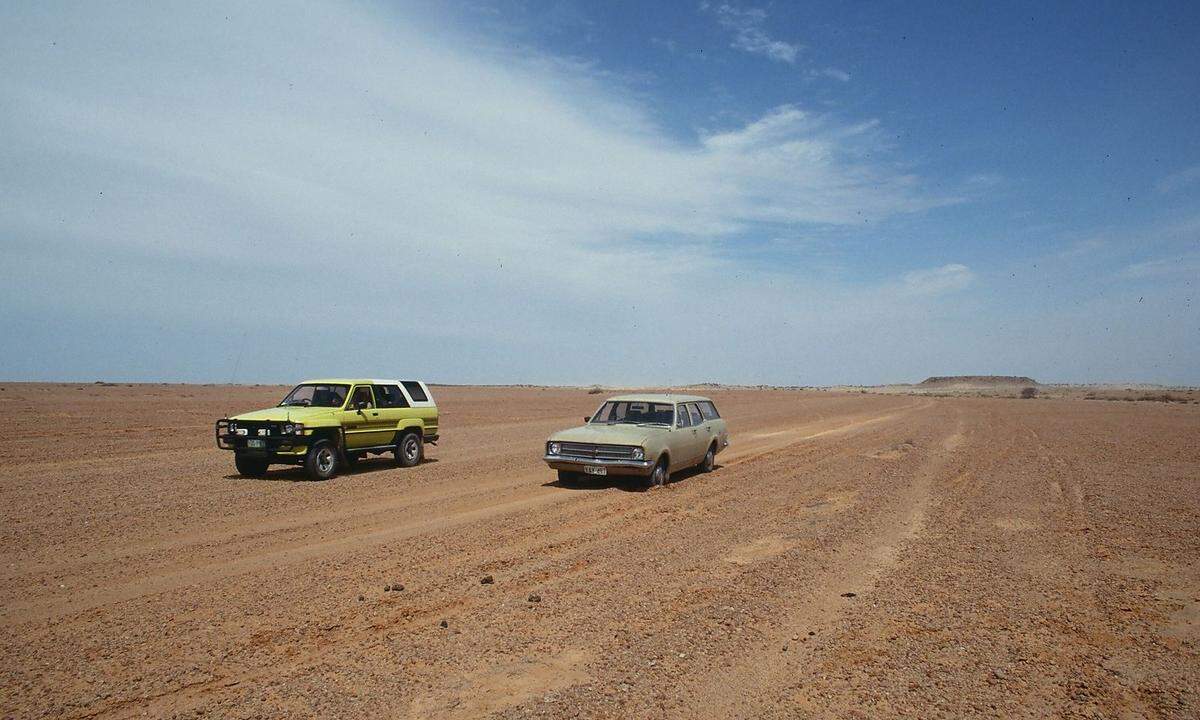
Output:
(853, 555)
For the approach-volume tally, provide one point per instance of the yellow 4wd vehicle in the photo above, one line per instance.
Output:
(323, 424)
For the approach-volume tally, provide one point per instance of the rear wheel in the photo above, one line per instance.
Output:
(710, 459)
(410, 449)
(250, 467)
(321, 462)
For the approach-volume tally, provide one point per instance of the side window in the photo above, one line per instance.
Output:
(415, 391)
(362, 393)
(682, 418)
(709, 411)
(696, 417)
(389, 396)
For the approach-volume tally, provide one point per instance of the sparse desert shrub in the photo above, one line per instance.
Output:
(595, 391)
(1028, 393)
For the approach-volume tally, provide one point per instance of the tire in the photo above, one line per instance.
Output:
(710, 459)
(321, 462)
(250, 467)
(568, 477)
(659, 475)
(410, 450)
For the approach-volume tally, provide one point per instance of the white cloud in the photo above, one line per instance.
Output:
(833, 74)
(939, 280)
(749, 35)
(1182, 265)
(335, 179)
(1179, 180)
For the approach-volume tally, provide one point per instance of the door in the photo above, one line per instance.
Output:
(393, 407)
(364, 425)
(707, 428)
(686, 440)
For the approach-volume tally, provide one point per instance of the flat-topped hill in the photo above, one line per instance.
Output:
(978, 380)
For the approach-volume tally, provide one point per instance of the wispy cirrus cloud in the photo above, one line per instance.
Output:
(748, 26)
(936, 281)
(435, 197)
(1178, 180)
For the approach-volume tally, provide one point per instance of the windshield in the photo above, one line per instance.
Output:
(634, 412)
(316, 395)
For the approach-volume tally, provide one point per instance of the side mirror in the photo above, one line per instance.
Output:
(361, 405)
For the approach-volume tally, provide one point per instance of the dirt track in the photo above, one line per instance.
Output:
(1007, 557)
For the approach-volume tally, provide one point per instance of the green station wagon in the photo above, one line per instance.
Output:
(650, 436)
(323, 424)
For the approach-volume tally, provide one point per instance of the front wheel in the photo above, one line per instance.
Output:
(321, 462)
(710, 459)
(409, 450)
(660, 474)
(250, 467)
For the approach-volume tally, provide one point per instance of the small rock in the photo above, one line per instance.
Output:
(535, 598)
(849, 594)
(387, 588)
(999, 674)
(362, 597)
(444, 624)
(811, 633)
(487, 580)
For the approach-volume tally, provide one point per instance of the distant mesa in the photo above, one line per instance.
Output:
(945, 381)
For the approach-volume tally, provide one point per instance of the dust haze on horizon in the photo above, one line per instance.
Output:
(503, 193)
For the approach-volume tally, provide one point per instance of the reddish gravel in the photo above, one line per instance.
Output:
(854, 555)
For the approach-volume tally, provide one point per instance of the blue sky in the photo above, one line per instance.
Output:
(622, 193)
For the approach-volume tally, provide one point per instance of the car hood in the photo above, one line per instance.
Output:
(289, 414)
(604, 434)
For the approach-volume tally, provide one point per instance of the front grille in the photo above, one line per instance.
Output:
(600, 452)
(258, 428)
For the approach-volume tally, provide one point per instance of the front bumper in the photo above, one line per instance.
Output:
(263, 444)
(615, 467)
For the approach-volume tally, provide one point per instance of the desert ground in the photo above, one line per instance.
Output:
(854, 555)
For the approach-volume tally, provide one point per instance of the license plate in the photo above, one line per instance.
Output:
(256, 443)
(590, 470)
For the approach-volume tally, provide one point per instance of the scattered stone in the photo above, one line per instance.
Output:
(444, 624)
(811, 633)
(849, 594)
(487, 580)
(999, 674)
(362, 597)
(535, 598)
(397, 587)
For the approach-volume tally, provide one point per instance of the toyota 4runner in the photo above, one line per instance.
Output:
(325, 424)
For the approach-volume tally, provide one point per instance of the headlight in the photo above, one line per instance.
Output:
(639, 454)
(554, 448)
(293, 429)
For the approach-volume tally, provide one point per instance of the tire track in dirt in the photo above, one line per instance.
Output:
(758, 674)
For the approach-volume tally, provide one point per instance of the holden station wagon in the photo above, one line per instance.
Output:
(649, 435)
(325, 424)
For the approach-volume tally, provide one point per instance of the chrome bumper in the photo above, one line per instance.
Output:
(640, 465)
